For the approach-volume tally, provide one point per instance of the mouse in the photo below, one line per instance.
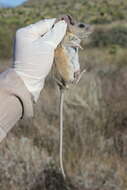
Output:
(66, 61)
(66, 67)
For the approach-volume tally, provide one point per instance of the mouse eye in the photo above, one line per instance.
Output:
(81, 25)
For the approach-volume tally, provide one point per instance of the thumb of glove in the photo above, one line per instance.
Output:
(56, 34)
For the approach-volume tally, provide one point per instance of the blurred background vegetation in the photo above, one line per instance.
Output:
(108, 16)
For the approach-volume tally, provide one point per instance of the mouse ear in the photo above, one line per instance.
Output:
(71, 20)
(68, 19)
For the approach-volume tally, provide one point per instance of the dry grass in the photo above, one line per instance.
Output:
(94, 142)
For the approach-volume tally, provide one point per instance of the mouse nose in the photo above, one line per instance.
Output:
(88, 26)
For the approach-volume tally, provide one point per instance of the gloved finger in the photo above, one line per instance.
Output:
(35, 31)
(55, 35)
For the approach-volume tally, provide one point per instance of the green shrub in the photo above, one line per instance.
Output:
(113, 36)
(100, 20)
(5, 43)
(94, 12)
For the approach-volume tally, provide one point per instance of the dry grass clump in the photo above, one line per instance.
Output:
(52, 179)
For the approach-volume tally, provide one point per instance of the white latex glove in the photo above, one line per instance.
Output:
(34, 52)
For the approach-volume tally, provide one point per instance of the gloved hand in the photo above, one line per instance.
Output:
(34, 52)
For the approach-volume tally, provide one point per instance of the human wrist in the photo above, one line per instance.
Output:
(34, 85)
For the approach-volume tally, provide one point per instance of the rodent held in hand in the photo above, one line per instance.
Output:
(67, 67)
